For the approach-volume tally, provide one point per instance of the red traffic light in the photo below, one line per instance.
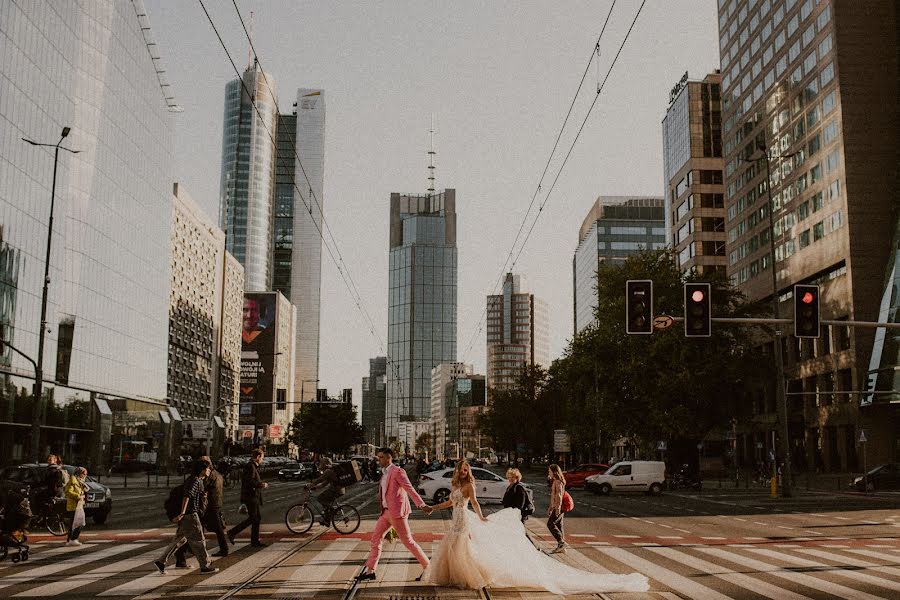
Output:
(808, 298)
(698, 296)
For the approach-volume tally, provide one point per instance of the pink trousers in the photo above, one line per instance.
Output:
(401, 526)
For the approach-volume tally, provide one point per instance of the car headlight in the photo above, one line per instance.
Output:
(108, 493)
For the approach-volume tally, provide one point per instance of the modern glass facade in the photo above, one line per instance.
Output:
(88, 66)
(283, 228)
(373, 388)
(616, 227)
(884, 366)
(247, 182)
(422, 301)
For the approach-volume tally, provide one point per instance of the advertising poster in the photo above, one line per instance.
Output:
(257, 357)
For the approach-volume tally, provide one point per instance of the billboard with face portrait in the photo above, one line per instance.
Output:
(257, 357)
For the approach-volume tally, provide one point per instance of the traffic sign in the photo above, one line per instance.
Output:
(862, 436)
(663, 322)
(661, 445)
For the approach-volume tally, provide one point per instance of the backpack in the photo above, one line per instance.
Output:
(528, 507)
(567, 503)
(173, 502)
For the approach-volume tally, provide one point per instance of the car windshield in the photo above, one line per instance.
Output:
(293, 466)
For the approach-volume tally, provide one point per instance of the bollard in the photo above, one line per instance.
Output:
(148, 478)
(126, 480)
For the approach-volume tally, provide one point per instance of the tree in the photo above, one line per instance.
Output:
(423, 443)
(326, 428)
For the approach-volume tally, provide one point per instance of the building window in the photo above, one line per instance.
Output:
(827, 74)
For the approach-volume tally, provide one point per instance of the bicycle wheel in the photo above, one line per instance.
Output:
(299, 518)
(55, 524)
(345, 519)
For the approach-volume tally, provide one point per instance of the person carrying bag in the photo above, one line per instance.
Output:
(75, 492)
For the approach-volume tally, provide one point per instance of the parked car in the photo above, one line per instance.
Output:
(294, 471)
(576, 477)
(882, 477)
(311, 470)
(29, 479)
(435, 486)
(630, 476)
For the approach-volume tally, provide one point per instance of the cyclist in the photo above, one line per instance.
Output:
(333, 488)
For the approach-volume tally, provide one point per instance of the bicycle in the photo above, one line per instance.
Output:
(51, 517)
(300, 517)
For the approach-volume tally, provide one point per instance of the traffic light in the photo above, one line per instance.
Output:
(697, 310)
(639, 306)
(806, 311)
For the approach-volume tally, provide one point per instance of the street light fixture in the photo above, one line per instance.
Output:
(39, 366)
(780, 399)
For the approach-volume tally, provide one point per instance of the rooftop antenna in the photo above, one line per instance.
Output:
(431, 154)
(251, 59)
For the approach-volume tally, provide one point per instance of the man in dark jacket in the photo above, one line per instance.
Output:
(251, 496)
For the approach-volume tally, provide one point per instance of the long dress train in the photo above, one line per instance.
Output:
(498, 554)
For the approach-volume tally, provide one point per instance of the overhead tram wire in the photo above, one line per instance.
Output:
(594, 52)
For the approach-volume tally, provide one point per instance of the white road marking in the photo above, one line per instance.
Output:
(671, 579)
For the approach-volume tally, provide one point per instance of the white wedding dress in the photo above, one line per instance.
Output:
(497, 554)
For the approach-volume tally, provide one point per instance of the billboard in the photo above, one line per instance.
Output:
(258, 357)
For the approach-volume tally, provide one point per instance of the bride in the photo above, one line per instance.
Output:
(494, 552)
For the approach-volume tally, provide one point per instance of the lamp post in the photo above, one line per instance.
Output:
(780, 399)
(37, 413)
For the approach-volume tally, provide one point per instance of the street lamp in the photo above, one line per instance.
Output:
(39, 367)
(780, 399)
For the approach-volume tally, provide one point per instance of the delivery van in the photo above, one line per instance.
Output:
(630, 476)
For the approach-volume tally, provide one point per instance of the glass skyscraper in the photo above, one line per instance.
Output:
(422, 301)
(248, 163)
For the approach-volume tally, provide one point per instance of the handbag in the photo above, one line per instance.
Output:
(79, 519)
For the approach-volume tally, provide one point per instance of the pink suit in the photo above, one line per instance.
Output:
(394, 513)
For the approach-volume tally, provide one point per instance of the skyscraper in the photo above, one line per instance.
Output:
(615, 228)
(421, 301)
(373, 388)
(517, 333)
(297, 241)
(814, 85)
(248, 163)
(692, 153)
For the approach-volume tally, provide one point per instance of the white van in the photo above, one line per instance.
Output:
(630, 476)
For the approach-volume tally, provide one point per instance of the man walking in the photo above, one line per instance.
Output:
(251, 495)
(393, 491)
(211, 516)
(189, 528)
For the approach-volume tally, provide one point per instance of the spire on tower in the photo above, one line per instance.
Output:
(431, 154)
(251, 59)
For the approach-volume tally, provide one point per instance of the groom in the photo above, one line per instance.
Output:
(394, 507)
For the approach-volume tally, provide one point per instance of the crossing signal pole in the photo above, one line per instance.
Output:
(697, 310)
(639, 307)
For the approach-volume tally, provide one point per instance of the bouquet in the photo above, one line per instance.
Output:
(391, 535)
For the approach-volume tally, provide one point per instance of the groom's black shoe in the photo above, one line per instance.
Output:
(366, 576)
(419, 578)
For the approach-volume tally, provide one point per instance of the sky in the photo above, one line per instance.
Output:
(498, 77)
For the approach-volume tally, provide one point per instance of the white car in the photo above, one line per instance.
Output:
(436, 485)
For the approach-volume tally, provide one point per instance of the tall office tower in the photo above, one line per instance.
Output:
(517, 333)
(883, 378)
(248, 174)
(615, 228)
(421, 301)
(441, 375)
(814, 83)
(95, 68)
(373, 401)
(695, 194)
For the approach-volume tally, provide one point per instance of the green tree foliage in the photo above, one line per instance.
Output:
(326, 428)
(423, 442)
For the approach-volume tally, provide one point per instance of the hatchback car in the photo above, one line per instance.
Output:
(576, 477)
(436, 485)
(22, 478)
(292, 471)
(882, 477)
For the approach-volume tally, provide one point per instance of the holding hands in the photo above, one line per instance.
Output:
(427, 510)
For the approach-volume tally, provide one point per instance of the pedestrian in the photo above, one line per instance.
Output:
(190, 529)
(516, 496)
(555, 511)
(333, 488)
(211, 515)
(251, 496)
(55, 479)
(75, 495)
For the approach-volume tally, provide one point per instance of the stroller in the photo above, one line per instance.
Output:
(15, 516)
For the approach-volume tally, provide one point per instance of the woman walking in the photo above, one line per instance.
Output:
(75, 491)
(555, 512)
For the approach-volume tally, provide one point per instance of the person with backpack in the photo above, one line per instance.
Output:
(190, 529)
(211, 516)
(559, 506)
(517, 495)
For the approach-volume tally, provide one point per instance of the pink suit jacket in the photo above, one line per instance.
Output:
(397, 492)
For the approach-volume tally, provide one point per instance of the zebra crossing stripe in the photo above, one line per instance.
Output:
(398, 565)
(757, 586)
(245, 569)
(94, 575)
(668, 578)
(317, 573)
(855, 562)
(849, 574)
(576, 559)
(44, 555)
(800, 578)
(69, 563)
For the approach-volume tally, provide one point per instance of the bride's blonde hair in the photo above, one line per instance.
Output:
(457, 475)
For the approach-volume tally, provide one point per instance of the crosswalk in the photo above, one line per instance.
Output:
(323, 568)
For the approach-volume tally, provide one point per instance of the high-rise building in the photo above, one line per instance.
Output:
(799, 87)
(297, 242)
(615, 228)
(692, 153)
(517, 333)
(883, 381)
(95, 68)
(441, 376)
(464, 397)
(248, 171)
(373, 388)
(207, 291)
(421, 301)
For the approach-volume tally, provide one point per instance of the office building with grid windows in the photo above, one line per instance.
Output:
(814, 84)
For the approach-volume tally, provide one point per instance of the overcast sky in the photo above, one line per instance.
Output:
(499, 78)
